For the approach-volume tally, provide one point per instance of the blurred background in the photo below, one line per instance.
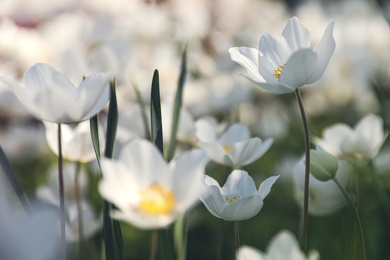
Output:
(131, 38)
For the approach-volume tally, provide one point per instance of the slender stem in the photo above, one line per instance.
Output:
(153, 245)
(61, 195)
(303, 238)
(79, 210)
(237, 235)
(220, 239)
(355, 210)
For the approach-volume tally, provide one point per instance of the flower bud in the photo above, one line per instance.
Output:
(323, 166)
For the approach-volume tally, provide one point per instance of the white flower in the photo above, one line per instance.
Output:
(282, 66)
(234, 148)
(148, 192)
(283, 246)
(49, 95)
(238, 199)
(325, 197)
(364, 141)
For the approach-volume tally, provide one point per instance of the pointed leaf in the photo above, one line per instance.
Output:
(112, 122)
(155, 113)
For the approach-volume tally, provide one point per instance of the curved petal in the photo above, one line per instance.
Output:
(145, 162)
(216, 152)
(188, 178)
(117, 185)
(206, 129)
(324, 50)
(370, 130)
(144, 221)
(235, 133)
(295, 35)
(94, 93)
(249, 253)
(248, 58)
(212, 198)
(284, 245)
(274, 88)
(248, 151)
(333, 137)
(273, 50)
(239, 183)
(242, 209)
(298, 69)
(265, 186)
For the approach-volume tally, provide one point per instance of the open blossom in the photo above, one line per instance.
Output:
(148, 192)
(364, 141)
(49, 95)
(281, 67)
(234, 147)
(238, 199)
(283, 246)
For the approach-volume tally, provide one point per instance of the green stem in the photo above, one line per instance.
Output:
(153, 245)
(79, 211)
(355, 210)
(220, 239)
(237, 235)
(61, 195)
(303, 238)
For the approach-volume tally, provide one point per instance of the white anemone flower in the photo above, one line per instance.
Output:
(362, 142)
(238, 199)
(76, 141)
(234, 147)
(49, 95)
(283, 246)
(283, 66)
(325, 197)
(148, 192)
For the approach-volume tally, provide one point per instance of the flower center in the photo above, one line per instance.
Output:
(230, 200)
(227, 148)
(156, 200)
(278, 71)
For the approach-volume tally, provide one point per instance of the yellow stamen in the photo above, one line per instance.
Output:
(278, 71)
(227, 148)
(230, 200)
(156, 200)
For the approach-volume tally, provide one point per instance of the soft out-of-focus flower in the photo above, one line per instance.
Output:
(76, 141)
(325, 197)
(238, 199)
(283, 246)
(362, 142)
(323, 166)
(282, 66)
(148, 192)
(51, 96)
(235, 147)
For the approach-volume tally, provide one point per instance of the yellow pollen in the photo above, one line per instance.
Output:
(227, 148)
(278, 71)
(232, 199)
(156, 200)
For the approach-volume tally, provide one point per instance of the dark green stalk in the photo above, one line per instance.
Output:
(153, 245)
(303, 237)
(237, 235)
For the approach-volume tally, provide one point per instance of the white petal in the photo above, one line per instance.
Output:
(206, 129)
(188, 179)
(235, 133)
(298, 69)
(265, 186)
(249, 253)
(333, 137)
(242, 209)
(284, 246)
(216, 152)
(248, 151)
(145, 161)
(248, 58)
(274, 88)
(324, 50)
(144, 221)
(212, 198)
(273, 50)
(239, 183)
(295, 35)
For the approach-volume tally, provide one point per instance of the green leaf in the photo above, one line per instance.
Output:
(177, 107)
(112, 122)
(181, 235)
(9, 173)
(143, 112)
(155, 113)
(93, 123)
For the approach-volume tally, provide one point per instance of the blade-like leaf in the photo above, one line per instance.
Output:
(9, 173)
(112, 122)
(155, 113)
(93, 123)
(143, 112)
(177, 107)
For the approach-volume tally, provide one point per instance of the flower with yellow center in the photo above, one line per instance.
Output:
(238, 199)
(281, 67)
(148, 192)
(234, 147)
